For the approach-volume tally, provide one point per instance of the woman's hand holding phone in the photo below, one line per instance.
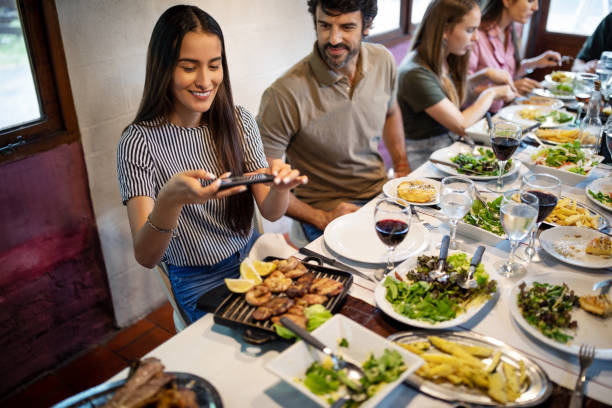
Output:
(193, 187)
(285, 178)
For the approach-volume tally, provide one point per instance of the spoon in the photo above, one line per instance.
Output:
(439, 273)
(604, 286)
(353, 371)
(468, 282)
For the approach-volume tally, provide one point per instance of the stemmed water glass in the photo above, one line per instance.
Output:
(519, 211)
(548, 189)
(456, 196)
(392, 223)
(583, 88)
(505, 139)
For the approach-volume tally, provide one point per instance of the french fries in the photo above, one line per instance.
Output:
(568, 213)
(462, 364)
(558, 135)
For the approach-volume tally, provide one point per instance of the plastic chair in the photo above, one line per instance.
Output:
(179, 316)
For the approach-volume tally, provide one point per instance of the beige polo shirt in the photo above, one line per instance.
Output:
(328, 131)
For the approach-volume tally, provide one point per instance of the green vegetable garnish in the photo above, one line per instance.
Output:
(343, 342)
(601, 197)
(567, 155)
(316, 315)
(485, 164)
(485, 217)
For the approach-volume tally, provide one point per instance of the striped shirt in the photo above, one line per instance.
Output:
(148, 156)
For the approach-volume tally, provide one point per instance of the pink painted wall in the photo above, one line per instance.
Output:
(54, 296)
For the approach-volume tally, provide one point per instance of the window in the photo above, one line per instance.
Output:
(37, 94)
(388, 17)
(579, 17)
(396, 20)
(418, 9)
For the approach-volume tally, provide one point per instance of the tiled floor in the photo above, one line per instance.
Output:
(98, 364)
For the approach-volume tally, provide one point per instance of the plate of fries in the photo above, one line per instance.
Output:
(475, 369)
(556, 136)
(571, 213)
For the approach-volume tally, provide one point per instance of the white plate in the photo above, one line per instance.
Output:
(566, 177)
(548, 94)
(479, 132)
(513, 114)
(390, 189)
(446, 153)
(600, 185)
(353, 236)
(383, 304)
(554, 104)
(576, 240)
(293, 362)
(591, 329)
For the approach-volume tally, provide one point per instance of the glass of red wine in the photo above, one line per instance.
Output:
(548, 190)
(583, 88)
(505, 139)
(392, 223)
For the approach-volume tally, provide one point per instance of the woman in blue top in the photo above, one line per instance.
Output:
(186, 137)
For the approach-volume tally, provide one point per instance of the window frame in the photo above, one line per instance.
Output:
(58, 124)
(400, 34)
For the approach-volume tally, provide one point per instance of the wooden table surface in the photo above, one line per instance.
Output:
(375, 320)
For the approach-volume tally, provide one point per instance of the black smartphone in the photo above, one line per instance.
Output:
(245, 180)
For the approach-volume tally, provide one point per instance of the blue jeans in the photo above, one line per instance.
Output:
(311, 232)
(191, 282)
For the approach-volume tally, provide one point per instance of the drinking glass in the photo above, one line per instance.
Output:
(456, 196)
(505, 139)
(519, 211)
(583, 88)
(392, 223)
(604, 71)
(548, 190)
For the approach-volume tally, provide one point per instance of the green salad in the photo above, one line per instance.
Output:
(421, 298)
(487, 217)
(605, 199)
(563, 89)
(555, 116)
(484, 164)
(548, 308)
(321, 379)
(567, 156)
(316, 315)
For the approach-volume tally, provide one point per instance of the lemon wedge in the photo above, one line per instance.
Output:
(264, 268)
(239, 285)
(248, 271)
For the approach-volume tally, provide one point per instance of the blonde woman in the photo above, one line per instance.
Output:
(433, 81)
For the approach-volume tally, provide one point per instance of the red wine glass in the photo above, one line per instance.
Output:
(392, 223)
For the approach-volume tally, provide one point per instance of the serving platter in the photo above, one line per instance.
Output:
(548, 94)
(534, 392)
(383, 304)
(591, 329)
(567, 244)
(513, 114)
(206, 394)
(390, 189)
(353, 236)
(445, 154)
(603, 185)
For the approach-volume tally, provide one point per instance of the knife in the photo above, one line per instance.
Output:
(455, 166)
(337, 264)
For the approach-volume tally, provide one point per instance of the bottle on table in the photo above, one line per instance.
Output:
(607, 136)
(591, 127)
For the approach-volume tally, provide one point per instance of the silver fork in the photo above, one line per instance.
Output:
(427, 225)
(585, 356)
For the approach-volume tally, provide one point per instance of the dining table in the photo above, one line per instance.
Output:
(237, 368)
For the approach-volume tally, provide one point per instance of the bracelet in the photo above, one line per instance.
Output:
(158, 229)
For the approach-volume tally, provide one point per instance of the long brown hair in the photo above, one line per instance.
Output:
(491, 14)
(442, 15)
(158, 101)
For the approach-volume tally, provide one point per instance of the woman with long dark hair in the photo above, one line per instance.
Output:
(187, 136)
(433, 80)
(498, 43)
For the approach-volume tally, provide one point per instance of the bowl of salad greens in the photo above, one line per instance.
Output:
(480, 166)
(309, 371)
(410, 296)
(483, 223)
(567, 161)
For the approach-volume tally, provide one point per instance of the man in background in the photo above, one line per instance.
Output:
(598, 42)
(328, 113)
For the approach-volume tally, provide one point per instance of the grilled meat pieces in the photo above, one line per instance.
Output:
(326, 287)
(299, 320)
(312, 299)
(298, 271)
(277, 282)
(275, 306)
(258, 295)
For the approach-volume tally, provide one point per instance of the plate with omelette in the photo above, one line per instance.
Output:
(421, 191)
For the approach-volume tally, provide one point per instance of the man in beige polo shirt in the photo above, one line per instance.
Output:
(328, 113)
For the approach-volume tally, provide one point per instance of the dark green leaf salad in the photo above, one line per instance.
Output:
(548, 308)
(605, 199)
(323, 380)
(484, 165)
(421, 298)
(486, 218)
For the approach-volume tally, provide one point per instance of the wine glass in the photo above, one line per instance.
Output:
(505, 139)
(548, 189)
(392, 223)
(456, 196)
(584, 83)
(519, 211)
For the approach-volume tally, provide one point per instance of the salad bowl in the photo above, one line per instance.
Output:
(447, 154)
